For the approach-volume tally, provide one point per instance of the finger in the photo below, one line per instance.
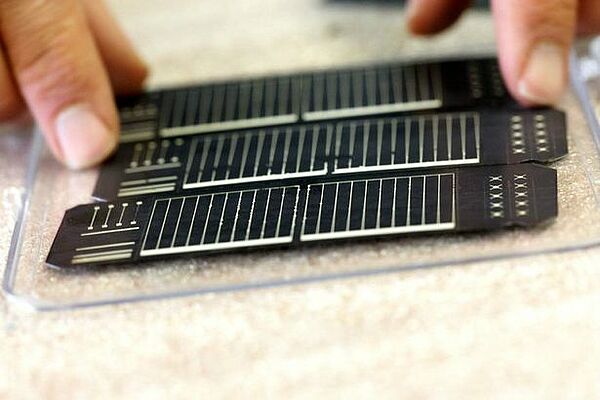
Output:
(11, 103)
(534, 37)
(588, 17)
(431, 16)
(125, 68)
(60, 73)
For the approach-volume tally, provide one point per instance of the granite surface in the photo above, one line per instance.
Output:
(520, 328)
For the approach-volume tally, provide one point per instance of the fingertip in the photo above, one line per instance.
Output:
(533, 46)
(84, 140)
(543, 79)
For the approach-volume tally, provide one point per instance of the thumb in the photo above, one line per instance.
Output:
(534, 37)
(59, 71)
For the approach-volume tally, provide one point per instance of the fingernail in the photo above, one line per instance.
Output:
(543, 80)
(83, 138)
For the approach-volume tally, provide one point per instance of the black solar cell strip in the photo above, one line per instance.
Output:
(320, 95)
(412, 142)
(450, 200)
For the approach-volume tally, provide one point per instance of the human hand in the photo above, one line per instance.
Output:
(62, 59)
(534, 38)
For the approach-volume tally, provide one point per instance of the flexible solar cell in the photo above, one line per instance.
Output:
(311, 96)
(303, 151)
(275, 215)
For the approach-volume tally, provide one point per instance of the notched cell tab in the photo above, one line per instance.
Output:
(99, 233)
(503, 196)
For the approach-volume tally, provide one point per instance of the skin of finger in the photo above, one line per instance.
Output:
(520, 24)
(11, 103)
(432, 16)
(55, 62)
(126, 69)
(588, 17)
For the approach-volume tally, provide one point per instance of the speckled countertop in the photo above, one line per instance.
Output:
(522, 328)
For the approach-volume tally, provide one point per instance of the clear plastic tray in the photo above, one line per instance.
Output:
(51, 189)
